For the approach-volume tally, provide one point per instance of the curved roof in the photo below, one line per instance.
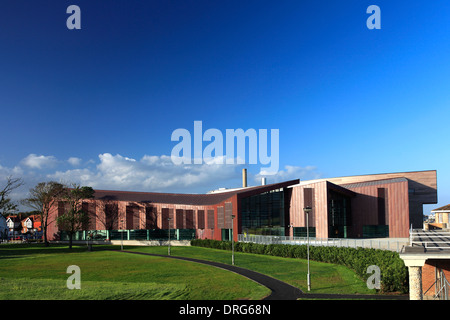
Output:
(189, 199)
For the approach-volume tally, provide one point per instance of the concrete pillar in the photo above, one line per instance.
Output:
(415, 283)
(414, 261)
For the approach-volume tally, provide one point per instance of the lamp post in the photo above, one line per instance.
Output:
(232, 239)
(121, 234)
(168, 219)
(307, 210)
(291, 226)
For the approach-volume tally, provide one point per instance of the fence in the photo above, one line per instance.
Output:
(430, 239)
(144, 234)
(383, 244)
(441, 286)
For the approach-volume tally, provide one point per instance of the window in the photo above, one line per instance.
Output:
(263, 213)
(339, 215)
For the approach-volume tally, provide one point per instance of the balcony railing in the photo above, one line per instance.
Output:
(430, 239)
(383, 244)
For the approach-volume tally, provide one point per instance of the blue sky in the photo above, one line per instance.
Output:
(98, 105)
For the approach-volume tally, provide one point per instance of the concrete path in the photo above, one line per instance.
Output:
(280, 290)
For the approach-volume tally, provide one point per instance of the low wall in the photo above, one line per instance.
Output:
(154, 243)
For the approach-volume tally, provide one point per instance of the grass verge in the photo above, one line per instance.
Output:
(36, 272)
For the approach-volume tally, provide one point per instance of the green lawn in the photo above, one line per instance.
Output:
(37, 272)
(325, 277)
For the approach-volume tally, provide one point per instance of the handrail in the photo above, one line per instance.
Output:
(442, 285)
(380, 243)
(430, 239)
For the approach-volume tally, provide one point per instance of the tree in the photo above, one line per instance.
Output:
(6, 205)
(74, 218)
(41, 199)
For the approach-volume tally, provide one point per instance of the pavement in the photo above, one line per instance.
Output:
(279, 290)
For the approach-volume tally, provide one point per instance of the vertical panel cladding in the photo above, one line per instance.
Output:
(320, 210)
(179, 219)
(423, 187)
(189, 219)
(122, 214)
(220, 217)
(111, 215)
(399, 209)
(314, 195)
(210, 222)
(201, 219)
(366, 207)
(228, 214)
(132, 217)
(55, 211)
(166, 214)
(89, 209)
(61, 208)
(381, 206)
(308, 196)
(150, 217)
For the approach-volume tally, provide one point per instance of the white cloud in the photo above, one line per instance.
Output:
(74, 161)
(38, 162)
(289, 173)
(150, 173)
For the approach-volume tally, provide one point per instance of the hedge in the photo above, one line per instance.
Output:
(394, 274)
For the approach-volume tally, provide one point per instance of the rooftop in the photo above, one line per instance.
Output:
(445, 208)
(189, 199)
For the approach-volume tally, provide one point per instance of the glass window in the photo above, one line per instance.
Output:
(263, 213)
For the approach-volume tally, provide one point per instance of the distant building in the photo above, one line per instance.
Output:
(31, 224)
(14, 225)
(364, 206)
(441, 216)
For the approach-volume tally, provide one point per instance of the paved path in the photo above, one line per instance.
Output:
(280, 290)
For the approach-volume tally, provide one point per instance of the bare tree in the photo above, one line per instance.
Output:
(74, 218)
(41, 199)
(7, 206)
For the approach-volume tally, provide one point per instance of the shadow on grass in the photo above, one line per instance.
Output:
(9, 251)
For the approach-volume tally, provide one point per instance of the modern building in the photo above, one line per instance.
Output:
(379, 205)
(365, 206)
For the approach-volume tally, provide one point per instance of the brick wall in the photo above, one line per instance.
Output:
(429, 271)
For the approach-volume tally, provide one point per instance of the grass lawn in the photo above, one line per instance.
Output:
(325, 277)
(35, 272)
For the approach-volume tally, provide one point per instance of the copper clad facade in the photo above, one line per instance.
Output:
(341, 207)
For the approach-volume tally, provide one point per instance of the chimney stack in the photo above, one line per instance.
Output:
(244, 178)
(263, 181)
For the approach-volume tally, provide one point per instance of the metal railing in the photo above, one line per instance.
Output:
(383, 244)
(430, 239)
(442, 287)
